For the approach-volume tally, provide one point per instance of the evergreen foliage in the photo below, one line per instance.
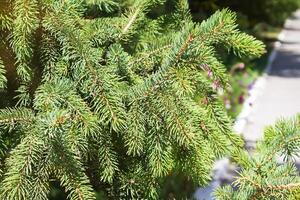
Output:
(112, 100)
(263, 175)
(3, 79)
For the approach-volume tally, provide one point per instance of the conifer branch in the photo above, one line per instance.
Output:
(276, 149)
(24, 25)
(18, 115)
(22, 162)
(5, 22)
(148, 54)
(264, 189)
(131, 21)
(3, 79)
(261, 175)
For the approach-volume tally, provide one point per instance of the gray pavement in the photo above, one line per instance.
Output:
(281, 94)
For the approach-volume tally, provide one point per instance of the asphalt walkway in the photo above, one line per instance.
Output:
(281, 94)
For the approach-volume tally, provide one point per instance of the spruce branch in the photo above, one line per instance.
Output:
(3, 79)
(262, 176)
(22, 163)
(5, 22)
(18, 115)
(104, 5)
(131, 20)
(24, 25)
(71, 174)
(108, 159)
(135, 135)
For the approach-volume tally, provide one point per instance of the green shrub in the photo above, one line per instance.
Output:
(111, 99)
(275, 12)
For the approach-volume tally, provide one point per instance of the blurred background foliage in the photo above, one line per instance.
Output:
(272, 12)
(261, 18)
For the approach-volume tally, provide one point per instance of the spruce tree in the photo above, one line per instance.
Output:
(111, 98)
(270, 173)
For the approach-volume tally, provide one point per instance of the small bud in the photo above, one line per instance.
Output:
(216, 85)
(209, 73)
(131, 181)
(203, 127)
(205, 101)
(240, 65)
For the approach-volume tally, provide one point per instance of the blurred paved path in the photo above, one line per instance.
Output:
(280, 97)
(281, 94)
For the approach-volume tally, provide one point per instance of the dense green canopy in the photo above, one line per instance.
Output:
(111, 98)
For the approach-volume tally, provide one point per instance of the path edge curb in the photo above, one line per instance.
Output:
(257, 89)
